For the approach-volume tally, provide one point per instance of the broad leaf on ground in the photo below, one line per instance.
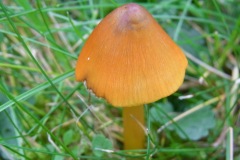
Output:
(194, 126)
(101, 144)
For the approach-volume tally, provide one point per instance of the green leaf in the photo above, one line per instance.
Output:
(161, 113)
(196, 125)
(8, 130)
(99, 144)
(58, 157)
(68, 137)
(4, 154)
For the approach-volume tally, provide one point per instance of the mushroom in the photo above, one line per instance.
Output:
(129, 60)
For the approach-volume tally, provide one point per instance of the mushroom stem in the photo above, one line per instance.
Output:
(134, 134)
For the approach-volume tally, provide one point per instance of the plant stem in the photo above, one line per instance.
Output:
(133, 123)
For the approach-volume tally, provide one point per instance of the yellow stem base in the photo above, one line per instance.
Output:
(134, 134)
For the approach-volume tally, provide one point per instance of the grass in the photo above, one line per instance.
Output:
(46, 114)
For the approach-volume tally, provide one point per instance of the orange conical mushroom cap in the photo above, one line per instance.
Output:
(129, 59)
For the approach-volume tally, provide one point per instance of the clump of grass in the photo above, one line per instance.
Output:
(45, 113)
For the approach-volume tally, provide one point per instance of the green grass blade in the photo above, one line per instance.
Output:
(35, 90)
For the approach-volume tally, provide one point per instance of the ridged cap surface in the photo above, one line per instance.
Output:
(130, 60)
